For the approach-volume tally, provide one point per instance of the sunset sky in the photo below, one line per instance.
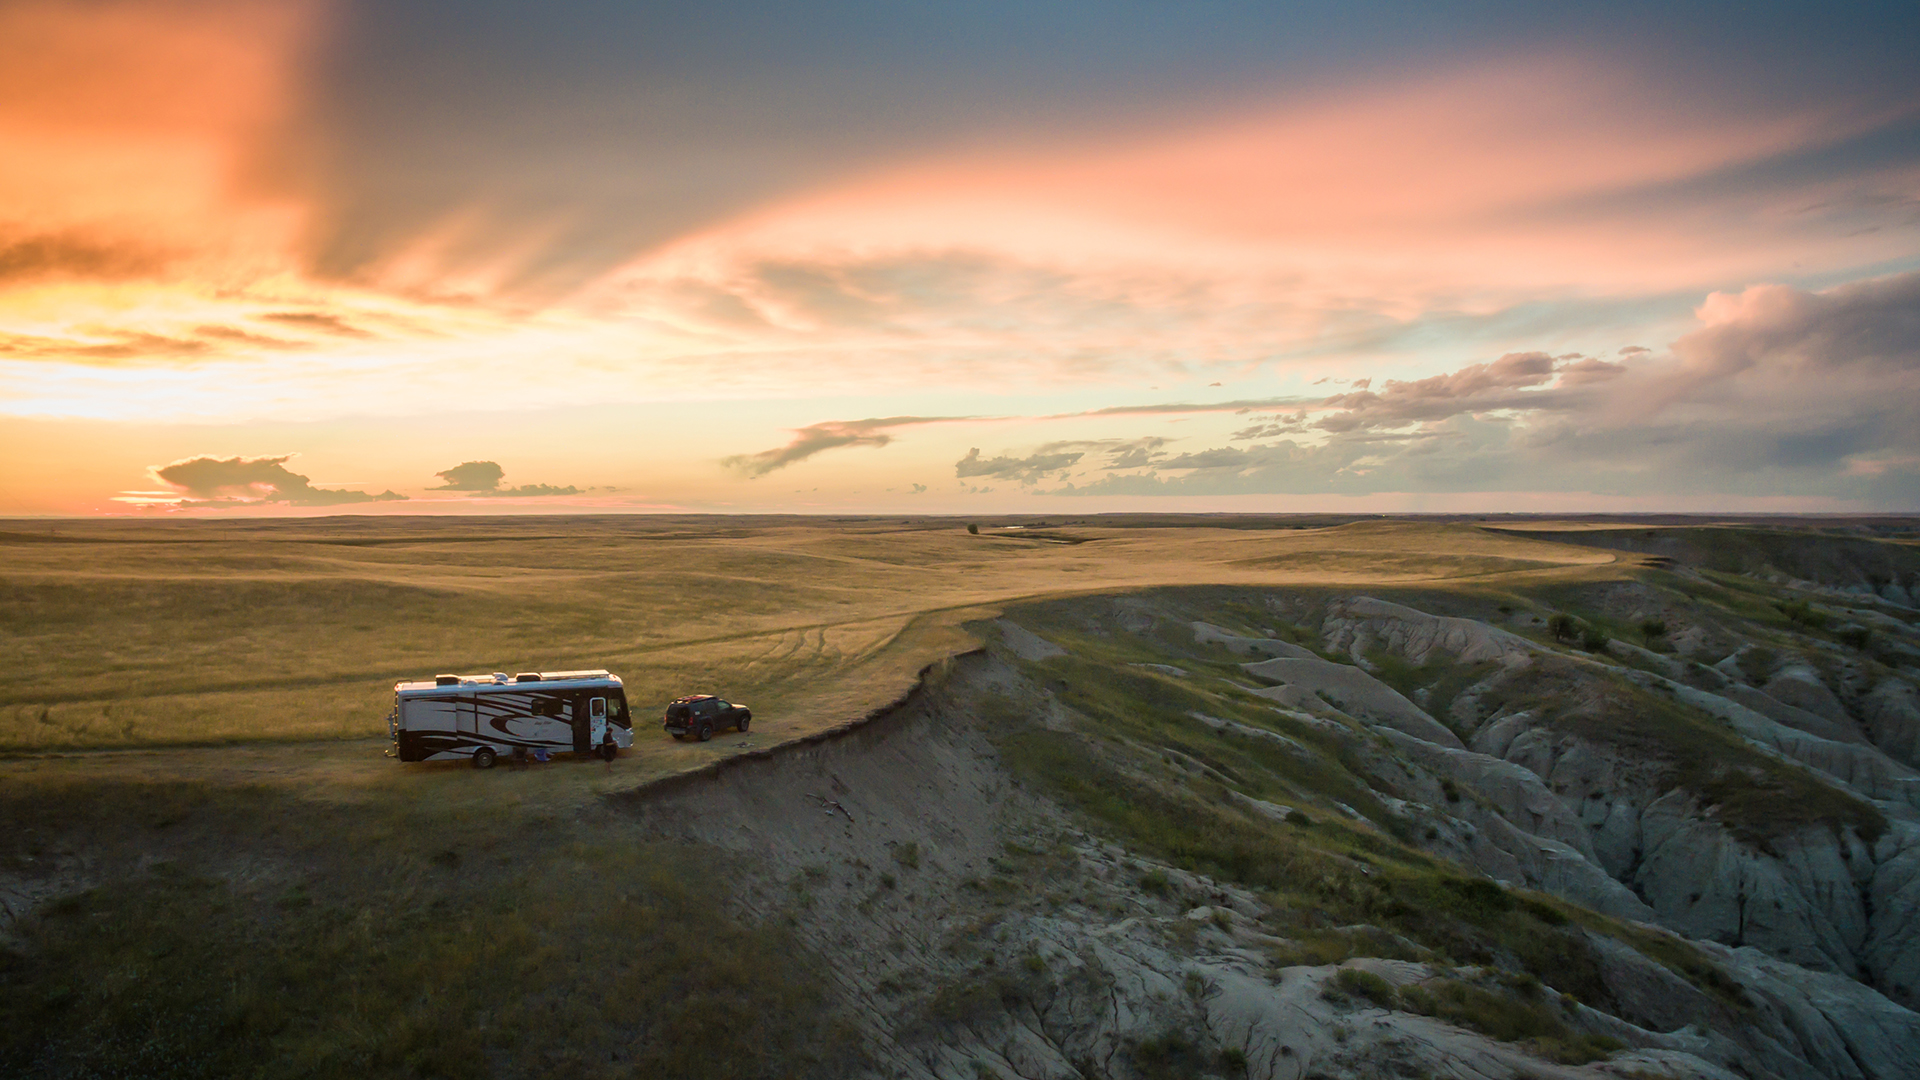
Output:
(849, 257)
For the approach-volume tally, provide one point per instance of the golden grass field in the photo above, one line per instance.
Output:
(269, 649)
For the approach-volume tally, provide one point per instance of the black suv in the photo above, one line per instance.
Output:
(699, 714)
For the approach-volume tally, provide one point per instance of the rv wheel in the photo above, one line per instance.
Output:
(483, 758)
(706, 730)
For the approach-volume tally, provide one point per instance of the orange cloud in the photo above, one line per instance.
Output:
(150, 211)
(132, 134)
(137, 223)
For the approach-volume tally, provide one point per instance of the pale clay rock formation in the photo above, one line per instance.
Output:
(1360, 623)
(1818, 898)
(1356, 693)
(1892, 715)
(928, 778)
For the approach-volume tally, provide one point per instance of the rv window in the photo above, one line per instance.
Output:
(597, 708)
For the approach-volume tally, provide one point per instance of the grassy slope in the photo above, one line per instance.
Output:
(272, 937)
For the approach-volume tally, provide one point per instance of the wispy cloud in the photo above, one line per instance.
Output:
(321, 321)
(28, 259)
(828, 435)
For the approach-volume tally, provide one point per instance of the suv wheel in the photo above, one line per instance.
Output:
(744, 721)
(706, 730)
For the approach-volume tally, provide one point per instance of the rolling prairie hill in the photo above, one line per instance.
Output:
(1376, 799)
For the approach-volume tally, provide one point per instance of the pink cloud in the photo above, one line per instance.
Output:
(1461, 187)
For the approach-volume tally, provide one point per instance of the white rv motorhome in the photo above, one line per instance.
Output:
(482, 717)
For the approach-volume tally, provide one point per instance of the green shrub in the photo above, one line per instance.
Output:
(1172, 1056)
(1801, 613)
(1530, 1021)
(973, 998)
(1367, 985)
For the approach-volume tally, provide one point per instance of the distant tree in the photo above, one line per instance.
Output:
(1854, 636)
(1593, 639)
(974, 529)
(1564, 627)
(1652, 630)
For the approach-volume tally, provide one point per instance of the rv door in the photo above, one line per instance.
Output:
(597, 717)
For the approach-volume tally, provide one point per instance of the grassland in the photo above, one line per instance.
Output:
(184, 634)
(191, 737)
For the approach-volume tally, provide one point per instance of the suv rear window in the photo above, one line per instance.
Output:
(677, 712)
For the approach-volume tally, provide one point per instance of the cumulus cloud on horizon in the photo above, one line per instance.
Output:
(1027, 470)
(482, 479)
(215, 482)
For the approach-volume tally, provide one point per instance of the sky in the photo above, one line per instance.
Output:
(319, 257)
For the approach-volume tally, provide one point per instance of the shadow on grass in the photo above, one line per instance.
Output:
(286, 939)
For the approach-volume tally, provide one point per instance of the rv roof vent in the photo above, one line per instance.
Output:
(527, 676)
(500, 676)
(446, 680)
